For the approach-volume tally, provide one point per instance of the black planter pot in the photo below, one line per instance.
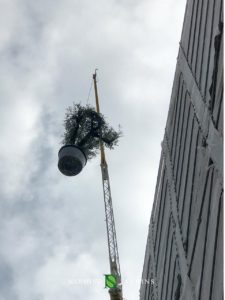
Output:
(71, 160)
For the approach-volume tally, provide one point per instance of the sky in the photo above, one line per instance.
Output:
(52, 227)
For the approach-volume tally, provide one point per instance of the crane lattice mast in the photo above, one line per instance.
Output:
(115, 293)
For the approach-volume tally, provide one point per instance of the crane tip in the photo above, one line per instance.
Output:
(95, 73)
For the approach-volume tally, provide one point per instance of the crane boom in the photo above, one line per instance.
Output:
(115, 293)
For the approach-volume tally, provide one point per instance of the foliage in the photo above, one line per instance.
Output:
(85, 128)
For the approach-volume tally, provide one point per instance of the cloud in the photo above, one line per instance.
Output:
(52, 228)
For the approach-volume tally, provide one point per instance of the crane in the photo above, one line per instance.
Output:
(115, 293)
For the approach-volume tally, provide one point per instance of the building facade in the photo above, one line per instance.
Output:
(184, 251)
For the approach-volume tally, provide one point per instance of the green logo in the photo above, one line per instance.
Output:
(110, 281)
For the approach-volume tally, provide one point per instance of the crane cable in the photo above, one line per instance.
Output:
(89, 93)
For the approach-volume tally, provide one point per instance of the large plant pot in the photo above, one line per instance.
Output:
(71, 160)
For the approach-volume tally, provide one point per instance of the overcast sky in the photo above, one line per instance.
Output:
(52, 228)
